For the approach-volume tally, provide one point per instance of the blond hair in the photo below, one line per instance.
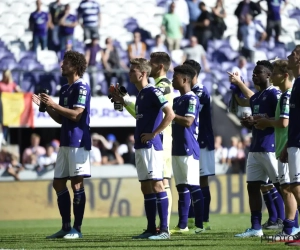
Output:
(7, 75)
(142, 65)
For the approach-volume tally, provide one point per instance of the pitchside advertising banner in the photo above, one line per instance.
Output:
(111, 197)
(102, 115)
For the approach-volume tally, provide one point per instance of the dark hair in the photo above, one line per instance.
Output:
(162, 58)
(185, 70)
(77, 60)
(282, 66)
(265, 64)
(195, 65)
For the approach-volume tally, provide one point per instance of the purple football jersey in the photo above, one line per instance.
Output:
(39, 22)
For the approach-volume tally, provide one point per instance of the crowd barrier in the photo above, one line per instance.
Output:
(115, 192)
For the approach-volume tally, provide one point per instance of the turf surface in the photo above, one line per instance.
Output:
(116, 233)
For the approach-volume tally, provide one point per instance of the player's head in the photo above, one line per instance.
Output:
(160, 62)
(140, 69)
(195, 65)
(183, 76)
(281, 73)
(294, 58)
(38, 4)
(74, 63)
(262, 72)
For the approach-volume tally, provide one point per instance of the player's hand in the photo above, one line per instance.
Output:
(247, 122)
(36, 99)
(145, 137)
(234, 77)
(116, 98)
(47, 100)
(284, 155)
(261, 123)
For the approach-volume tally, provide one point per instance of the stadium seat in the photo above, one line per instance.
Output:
(27, 55)
(8, 38)
(8, 18)
(18, 7)
(47, 58)
(17, 29)
(8, 63)
(176, 56)
(4, 53)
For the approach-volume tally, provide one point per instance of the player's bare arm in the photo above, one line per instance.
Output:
(185, 121)
(168, 117)
(269, 122)
(72, 114)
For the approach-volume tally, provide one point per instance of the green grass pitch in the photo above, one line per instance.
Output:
(115, 233)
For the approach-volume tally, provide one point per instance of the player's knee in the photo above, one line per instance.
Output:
(203, 181)
(181, 188)
(59, 185)
(253, 187)
(77, 182)
(158, 186)
(146, 187)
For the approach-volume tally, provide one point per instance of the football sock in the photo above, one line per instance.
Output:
(198, 203)
(288, 226)
(256, 220)
(296, 219)
(270, 206)
(206, 200)
(78, 208)
(183, 205)
(64, 206)
(162, 209)
(169, 194)
(278, 201)
(191, 210)
(150, 210)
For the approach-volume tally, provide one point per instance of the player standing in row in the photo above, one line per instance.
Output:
(160, 64)
(206, 143)
(73, 113)
(282, 77)
(149, 108)
(185, 150)
(261, 162)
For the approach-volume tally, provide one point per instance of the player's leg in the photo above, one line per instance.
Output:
(255, 177)
(79, 167)
(266, 191)
(61, 174)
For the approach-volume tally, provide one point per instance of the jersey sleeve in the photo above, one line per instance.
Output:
(284, 106)
(159, 99)
(192, 107)
(80, 96)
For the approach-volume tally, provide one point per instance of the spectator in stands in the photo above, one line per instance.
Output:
(38, 24)
(31, 154)
(182, 10)
(95, 154)
(203, 26)
(91, 51)
(159, 45)
(13, 166)
(89, 12)
(68, 47)
(241, 157)
(7, 83)
(248, 33)
(194, 13)
(241, 69)
(220, 156)
(112, 63)
(195, 52)
(232, 156)
(67, 23)
(55, 144)
(48, 160)
(245, 7)
(137, 49)
(127, 150)
(274, 17)
(112, 156)
(172, 28)
(55, 8)
(218, 24)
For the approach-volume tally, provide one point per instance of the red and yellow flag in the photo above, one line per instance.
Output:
(17, 110)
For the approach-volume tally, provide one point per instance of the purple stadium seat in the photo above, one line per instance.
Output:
(46, 81)
(27, 54)
(28, 82)
(218, 56)
(8, 63)
(227, 66)
(5, 54)
(130, 24)
(161, 3)
(295, 13)
(30, 64)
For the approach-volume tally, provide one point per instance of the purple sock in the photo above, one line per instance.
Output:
(270, 206)
(183, 205)
(256, 220)
(296, 219)
(191, 210)
(206, 200)
(288, 226)
(78, 208)
(162, 208)
(64, 206)
(278, 201)
(150, 209)
(197, 197)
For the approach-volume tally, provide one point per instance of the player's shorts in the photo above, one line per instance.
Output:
(294, 164)
(207, 162)
(72, 162)
(185, 170)
(262, 166)
(283, 173)
(167, 155)
(149, 164)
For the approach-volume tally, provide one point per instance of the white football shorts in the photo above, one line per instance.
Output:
(283, 173)
(294, 164)
(72, 162)
(207, 162)
(262, 166)
(149, 164)
(185, 170)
